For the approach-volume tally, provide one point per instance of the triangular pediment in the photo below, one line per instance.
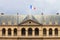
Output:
(29, 22)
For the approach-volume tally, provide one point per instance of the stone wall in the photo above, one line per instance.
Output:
(29, 38)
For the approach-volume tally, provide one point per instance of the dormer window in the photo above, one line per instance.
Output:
(3, 22)
(9, 22)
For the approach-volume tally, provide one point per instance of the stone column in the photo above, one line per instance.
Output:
(47, 32)
(19, 32)
(26, 33)
(6, 32)
(53, 33)
(33, 32)
(40, 33)
(12, 33)
(59, 33)
(0, 32)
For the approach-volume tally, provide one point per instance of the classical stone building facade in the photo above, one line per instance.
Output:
(29, 27)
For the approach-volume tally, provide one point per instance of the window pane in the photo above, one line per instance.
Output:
(36, 31)
(23, 31)
(44, 31)
(15, 32)
(56, 31)
(3, 31)
(50, 32)
(9, 32)
(30, 31)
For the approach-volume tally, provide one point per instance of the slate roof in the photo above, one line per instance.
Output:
(38, 18)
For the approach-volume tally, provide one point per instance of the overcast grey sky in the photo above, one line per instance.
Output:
(22, 6)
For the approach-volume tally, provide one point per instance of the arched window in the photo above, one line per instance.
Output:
(50, 31)
(3, 31)
(23, 32)
(15, 32)
(9, 32)
(30, 31)
(36, 31)
(44, 32)
(56, 31)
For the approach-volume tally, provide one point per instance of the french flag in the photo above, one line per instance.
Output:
(31, 7)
